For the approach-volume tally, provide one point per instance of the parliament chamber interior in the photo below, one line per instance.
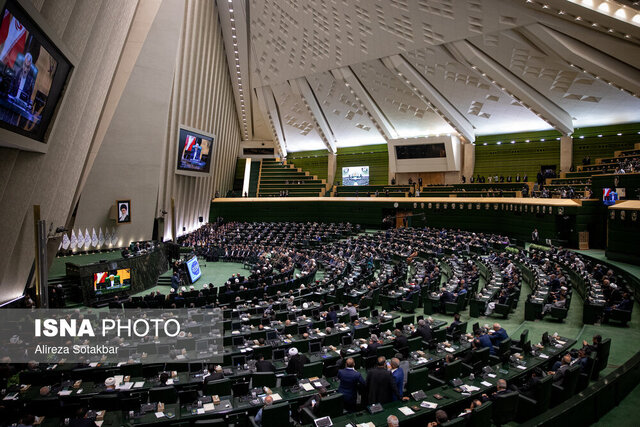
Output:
(360, 213)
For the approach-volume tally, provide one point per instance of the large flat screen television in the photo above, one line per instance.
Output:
(194, 269)
(33, 73)
(609, 197)
(107, 282)
(194, 152)
(355, 175)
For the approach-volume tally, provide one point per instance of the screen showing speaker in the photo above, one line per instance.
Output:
(194, 269)
(355, 175)
(194, 152)
(33, 73)
(107, 282)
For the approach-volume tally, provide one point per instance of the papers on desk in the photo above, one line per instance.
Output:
(170, 381)
(491, 375)
(321, 334)
(317, 384)
(159, 414)
(64, 392)
(344, 329)
(307, 387)
(406, 410)
(543, 356)
(200, 411)
(276, 397)
(93, 364)
(486, 383)
(180, 357)
(208, 407)
(521, 367)
(430, 405)
(469, 388)
(11, 396)
(138, 384)
(125, 386)
(369, 424)
(119, 379)
(449, 349)
(561, 342)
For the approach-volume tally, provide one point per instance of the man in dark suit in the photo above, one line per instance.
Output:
(558, 375)
(499, 334)
(350, 380)
(400, 340)
(454, 324)
(332, 315)
(373, 345)
(216, 374)
(398, 376)
(423, 331)
(264, 365)
(381, 387)
(22, 83)
(501, 387)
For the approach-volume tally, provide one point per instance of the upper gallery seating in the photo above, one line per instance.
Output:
(279, 179)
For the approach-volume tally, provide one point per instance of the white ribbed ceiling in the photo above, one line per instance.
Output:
(336, 73)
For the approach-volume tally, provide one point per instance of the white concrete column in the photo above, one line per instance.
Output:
(247, 177)
(331, 169)
(468, 160)
(566, 153)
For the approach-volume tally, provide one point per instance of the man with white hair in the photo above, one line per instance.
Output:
(268, 400)
(22, 83)
(392, 421)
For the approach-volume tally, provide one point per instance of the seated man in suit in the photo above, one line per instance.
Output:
(423, 331)
(559, 373)
(350, 381)
(314, 402)
(268, 400)
(498, 334)
(296, 362)
(22, 83)
(264, 365)
(454, 324)
(501, 387)
(400, 340)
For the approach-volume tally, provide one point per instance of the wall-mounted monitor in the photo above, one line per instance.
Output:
(195, 149)
(107, 282)
(33, 74)
(355, 175)
(609, 197)
(194, 269)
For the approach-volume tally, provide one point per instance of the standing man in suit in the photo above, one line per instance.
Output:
(398, 376)
(381, 387)
(350, 380)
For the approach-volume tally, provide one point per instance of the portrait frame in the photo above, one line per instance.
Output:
(119, 205)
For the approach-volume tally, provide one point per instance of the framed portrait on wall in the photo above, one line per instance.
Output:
(124, 211)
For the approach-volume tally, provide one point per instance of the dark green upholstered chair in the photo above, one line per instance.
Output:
(218, 387)
(330, 406)
(167, 394)
(481, 416)
(562, 392)
(274, 416)
(263, 379)
(417, 379)
(532, 406)
(505, 407)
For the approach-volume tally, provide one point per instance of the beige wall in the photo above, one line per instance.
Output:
(202, 98)
(94, 31)
(128, 163)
